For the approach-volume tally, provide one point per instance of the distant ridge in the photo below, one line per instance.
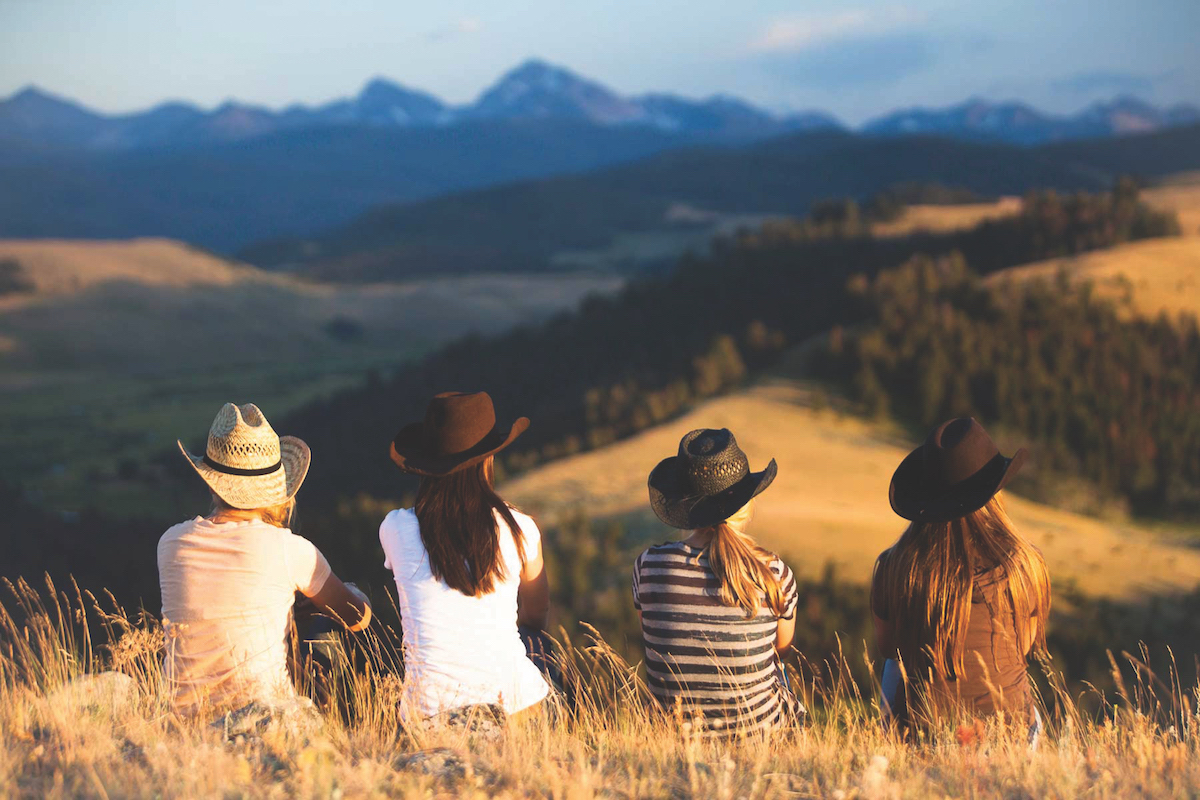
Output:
(537, 90)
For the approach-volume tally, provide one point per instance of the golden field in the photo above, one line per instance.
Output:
(70, 730)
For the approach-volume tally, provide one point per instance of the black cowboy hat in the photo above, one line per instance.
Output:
(459, 430)
(707, 482)
(955, 472)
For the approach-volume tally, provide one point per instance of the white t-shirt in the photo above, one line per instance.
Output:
(460, 650)
(227, 593)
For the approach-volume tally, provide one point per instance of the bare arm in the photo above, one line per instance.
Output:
(343, 602)
(533, 596)
(785, 633)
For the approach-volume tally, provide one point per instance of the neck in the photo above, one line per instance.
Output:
(699, 539)
(232, 515)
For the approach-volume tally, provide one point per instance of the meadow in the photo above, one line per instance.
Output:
(73, 729)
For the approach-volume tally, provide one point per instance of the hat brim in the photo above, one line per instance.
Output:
(410, 453)
(671, 503)
(910, 501)
(258, 491)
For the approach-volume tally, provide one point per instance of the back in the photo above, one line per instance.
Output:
(995, 675)
(707, 657)
(460, 650)
(227, 591)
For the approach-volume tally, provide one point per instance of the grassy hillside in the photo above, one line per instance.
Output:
(524, 226)
(141, 341)
(829, 503)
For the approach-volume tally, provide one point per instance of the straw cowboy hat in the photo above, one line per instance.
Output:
(459, 430)
(954, 473)
(707, 482)
(246, 463)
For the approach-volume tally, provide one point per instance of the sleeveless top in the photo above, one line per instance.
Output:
(460, 650)
(994, 672)
(710, 660)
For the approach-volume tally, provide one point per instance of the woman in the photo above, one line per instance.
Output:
(229, 579)
(715, 608)
(961, 599)
(468, 566)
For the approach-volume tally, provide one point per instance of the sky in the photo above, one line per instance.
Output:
(854, 59)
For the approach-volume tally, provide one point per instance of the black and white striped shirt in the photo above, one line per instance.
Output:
(706, 658)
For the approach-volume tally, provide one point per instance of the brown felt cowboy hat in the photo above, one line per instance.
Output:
(955, 472)
(459, 430)
(706, 482)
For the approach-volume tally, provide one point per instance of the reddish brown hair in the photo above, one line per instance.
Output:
(457, 516)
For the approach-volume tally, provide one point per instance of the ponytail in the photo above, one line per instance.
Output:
(742, 567)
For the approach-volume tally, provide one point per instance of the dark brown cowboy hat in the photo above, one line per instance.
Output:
(955, 472)
(459, 430)
(707, 482)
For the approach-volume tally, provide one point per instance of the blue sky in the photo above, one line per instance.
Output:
(856, 59)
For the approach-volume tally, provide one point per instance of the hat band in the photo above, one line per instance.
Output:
(249, 473)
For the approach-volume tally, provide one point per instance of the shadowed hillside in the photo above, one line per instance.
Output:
(522, 227)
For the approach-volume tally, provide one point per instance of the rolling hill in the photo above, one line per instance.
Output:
(130, 339)
(528, 226)
(829, 502)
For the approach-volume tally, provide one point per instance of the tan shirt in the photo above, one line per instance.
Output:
(227, 593)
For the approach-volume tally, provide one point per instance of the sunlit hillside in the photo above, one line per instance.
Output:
(830, 500)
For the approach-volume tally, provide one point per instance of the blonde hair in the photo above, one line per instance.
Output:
(281, 515)
(925, 582)
(742, 567)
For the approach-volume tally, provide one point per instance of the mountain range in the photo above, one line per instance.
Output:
(32, 120)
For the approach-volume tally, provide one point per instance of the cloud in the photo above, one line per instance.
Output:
(1102, 82)
(460, 27)
(798, 33)
(864, 61)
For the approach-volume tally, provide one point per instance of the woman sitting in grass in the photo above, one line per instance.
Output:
(715, 608)
(961, 599)
(470, 581)
(229, 579)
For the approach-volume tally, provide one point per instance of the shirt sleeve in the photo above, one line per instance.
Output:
(306, 567)
(531, 537)
(637, 582)
(787, 585)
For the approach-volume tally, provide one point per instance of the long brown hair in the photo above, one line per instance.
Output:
(742, 567)
(925, 581)
(457, 516)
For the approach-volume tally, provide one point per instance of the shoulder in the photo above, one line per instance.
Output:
(398, 521)
(175, 531)
(526, 523)
(777, 565)
(660, 552)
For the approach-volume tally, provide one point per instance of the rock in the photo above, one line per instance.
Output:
(440, 762)
(486, 720)
(296, 716)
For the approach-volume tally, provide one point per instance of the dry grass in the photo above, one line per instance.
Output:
(61, 742)
(1158, 275)
(829, 502)
(946, 218)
